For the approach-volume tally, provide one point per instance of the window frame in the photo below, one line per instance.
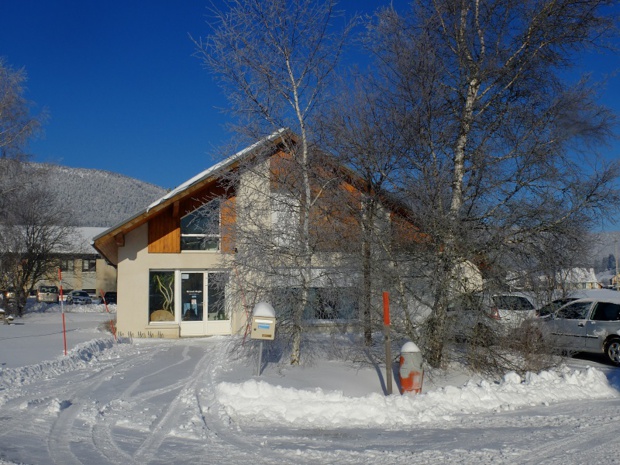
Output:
(206, 237)
(151, 303)
(67, 265)
(88, 262)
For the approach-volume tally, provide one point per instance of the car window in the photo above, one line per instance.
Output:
(575, 311)
(553, 306)
(512, 302)
(606, 311)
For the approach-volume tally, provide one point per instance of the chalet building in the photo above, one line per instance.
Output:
(178, 261)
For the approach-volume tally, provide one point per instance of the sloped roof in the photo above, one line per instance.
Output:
(106, 243)
(217, 168)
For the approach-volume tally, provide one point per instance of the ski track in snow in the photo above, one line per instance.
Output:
(155, 402)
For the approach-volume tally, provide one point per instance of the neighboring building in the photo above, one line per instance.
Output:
(608, 279)
(176, 260)
(566, 279)
(82, 267)
(579, 278)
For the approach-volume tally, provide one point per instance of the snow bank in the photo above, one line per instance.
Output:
(258, 402)
(80, 356)
(42, 307)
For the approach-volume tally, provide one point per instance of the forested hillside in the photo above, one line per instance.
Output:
(95, 197)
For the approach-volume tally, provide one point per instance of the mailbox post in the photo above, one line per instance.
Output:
(263, 328)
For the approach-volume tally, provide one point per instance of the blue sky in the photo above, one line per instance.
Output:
(124, 93)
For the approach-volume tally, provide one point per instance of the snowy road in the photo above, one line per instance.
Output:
(155, 402)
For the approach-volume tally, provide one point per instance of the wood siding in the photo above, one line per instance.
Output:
(165, 233)
(227, 226)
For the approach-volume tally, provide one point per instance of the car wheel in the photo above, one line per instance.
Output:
(612, 351)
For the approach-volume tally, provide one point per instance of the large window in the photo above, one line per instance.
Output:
(161, 296)
(200, 229)
(324, 303)
(216, 286)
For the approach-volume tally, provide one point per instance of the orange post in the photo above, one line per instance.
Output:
(104, 302)
(386, 308)
(388, 344)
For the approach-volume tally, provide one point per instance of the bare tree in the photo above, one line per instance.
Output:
(33, 232)
(361, 133)
(499, 149)
(31, 223)
(17, 125)
(276, 59)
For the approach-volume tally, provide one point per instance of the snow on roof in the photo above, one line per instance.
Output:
(578, 275)
(215, 168)
(81, 240)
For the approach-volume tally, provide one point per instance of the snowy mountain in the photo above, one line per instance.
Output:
(98, 198)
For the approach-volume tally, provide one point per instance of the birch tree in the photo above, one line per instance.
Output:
(500, 146)
(275, 60)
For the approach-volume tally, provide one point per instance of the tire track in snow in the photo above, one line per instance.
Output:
(62, 430)
(595, 440)
(173, 411)
(102, 432)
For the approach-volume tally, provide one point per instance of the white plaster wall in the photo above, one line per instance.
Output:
(133, 282)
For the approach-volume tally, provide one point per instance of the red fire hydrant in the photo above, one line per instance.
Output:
(411, 371)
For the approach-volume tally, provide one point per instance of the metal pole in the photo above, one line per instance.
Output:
(616, 257)
(260, 359)
(62, 311)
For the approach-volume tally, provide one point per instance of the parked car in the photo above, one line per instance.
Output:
(79, 297)
(512, 309)
(47, 294)
(110, 297)
(481, 317)
(571, 296)
(586, 325)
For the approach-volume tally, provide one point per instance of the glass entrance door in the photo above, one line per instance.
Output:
(192, 304)
(192, 296)
(203, 304)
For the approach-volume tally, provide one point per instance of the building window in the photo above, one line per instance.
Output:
(216, 304)
(161, 296)
(67, 264)
(200, 229)
(89, 264)
(324, 303)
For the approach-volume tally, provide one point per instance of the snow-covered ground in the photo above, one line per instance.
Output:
(192, 401)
